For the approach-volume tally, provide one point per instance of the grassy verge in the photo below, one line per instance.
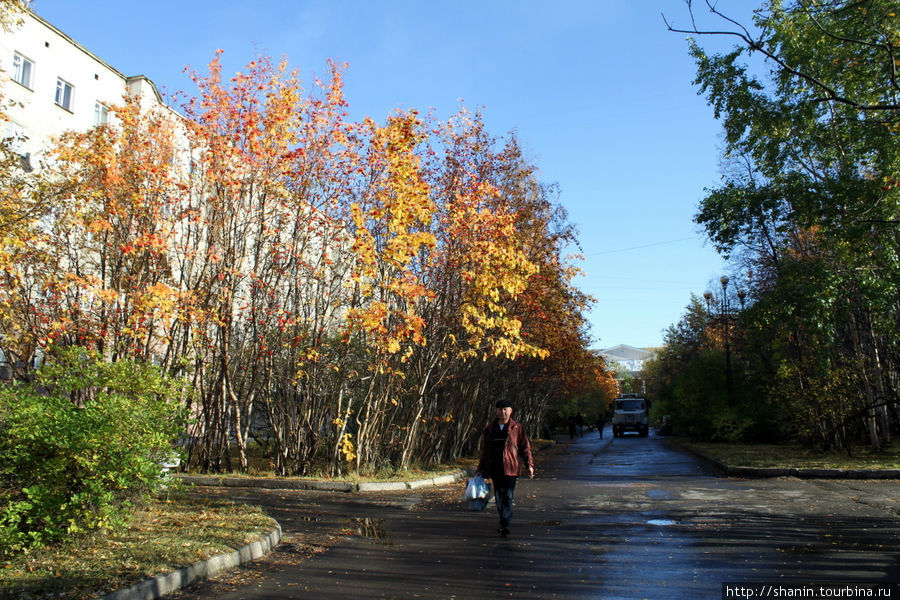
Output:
(165, 534)
(789, 456)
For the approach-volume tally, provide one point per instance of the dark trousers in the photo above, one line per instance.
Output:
(504, 489)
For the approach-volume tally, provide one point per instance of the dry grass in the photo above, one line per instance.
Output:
(787, 456)
(166, 534)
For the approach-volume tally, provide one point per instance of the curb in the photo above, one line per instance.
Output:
(263, 482)
(324, 486)
(158, 586)
(800, 473)
(811, 473)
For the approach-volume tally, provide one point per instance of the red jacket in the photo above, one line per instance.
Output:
(516, 454)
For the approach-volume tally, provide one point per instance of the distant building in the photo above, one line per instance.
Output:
(632, 359)
(52, 84)
(628, 356)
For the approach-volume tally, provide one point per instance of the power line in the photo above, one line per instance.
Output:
(640, 247)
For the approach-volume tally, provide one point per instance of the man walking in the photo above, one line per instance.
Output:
(504, 449)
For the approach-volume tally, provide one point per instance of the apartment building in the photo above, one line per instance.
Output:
(51, 84)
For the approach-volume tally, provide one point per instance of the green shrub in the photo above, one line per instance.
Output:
(79, 445)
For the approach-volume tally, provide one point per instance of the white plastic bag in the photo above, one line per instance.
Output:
(477, 488)
(478, 493)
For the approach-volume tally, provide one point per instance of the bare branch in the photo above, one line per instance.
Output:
(832, 95)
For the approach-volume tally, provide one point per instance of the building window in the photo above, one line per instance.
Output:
(101, 114)
(22, 70)
(64, 94)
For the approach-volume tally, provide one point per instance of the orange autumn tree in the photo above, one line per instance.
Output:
(102, 275)
(475, 271)
(272, 164)
(552, 309)
(24, 202)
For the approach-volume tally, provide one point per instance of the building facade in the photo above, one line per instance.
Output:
(51, 84)
(628, 356)
(631, 360)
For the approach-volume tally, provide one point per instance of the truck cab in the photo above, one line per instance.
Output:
(631, 412)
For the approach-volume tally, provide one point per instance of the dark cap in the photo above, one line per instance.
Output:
(503, 404)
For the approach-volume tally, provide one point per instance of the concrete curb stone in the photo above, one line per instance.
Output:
(813, 473)
(445, 479)
(158, 586)
(331, 486)
(320, 485)
(381, 486)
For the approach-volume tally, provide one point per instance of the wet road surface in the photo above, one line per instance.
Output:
(628, 517)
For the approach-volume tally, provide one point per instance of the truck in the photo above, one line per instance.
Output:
(631, 412)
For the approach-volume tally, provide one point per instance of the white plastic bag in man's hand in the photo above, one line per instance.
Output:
(477, 488)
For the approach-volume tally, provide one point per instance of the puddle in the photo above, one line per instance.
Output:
(659, 494)
(371, 528)
(623, 485)
(661, 522)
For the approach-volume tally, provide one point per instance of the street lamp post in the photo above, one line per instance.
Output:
(729, 385)
(708, 296)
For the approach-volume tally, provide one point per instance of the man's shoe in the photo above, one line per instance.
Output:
(504, 531)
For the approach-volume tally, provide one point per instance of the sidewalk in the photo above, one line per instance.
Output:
(166, 583)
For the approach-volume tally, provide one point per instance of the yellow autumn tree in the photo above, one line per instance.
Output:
(391, 210)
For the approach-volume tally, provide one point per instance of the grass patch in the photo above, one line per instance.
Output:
(164, 535)
(791, 456)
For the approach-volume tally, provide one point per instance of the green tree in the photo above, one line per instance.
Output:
(810, 205)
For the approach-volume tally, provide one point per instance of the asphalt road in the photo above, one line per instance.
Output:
(613, 518)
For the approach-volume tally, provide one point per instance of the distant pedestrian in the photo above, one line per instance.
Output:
(579, 423)
(601, 422)
(547, 432)
(572, 428)
(505, 449)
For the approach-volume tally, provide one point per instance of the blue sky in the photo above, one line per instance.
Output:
(598, 91)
